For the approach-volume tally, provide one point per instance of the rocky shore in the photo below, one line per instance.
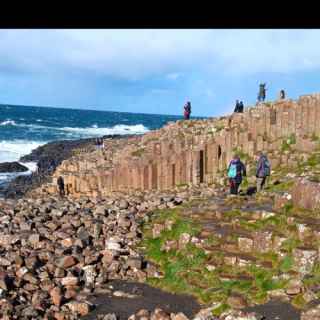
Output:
(48, 157)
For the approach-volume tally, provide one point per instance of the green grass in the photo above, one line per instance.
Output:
(286, 264)
(138, 153)
(290, 244)
(220, 309)
(180, 267)
(298, 301)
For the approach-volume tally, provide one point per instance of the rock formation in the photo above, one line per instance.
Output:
(192, 152)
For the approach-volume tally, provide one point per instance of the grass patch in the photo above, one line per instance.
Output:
(220, 309)
(298, 301)
(286, 264)
(183, 269)
(138, 153)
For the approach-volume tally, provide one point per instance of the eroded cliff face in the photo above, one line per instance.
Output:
(194, 151)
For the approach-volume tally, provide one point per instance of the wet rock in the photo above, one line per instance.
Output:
(12, 167)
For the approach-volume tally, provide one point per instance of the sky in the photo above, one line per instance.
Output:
(156, 71)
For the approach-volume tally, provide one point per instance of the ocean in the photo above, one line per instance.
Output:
(24, 128)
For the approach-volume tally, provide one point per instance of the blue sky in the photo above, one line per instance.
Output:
(155, 71)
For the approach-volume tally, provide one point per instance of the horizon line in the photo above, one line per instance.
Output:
(80, 109)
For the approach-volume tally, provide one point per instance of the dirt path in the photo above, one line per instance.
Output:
(147, 298)
(276, 310)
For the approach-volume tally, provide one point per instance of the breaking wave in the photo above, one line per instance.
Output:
(117, 129)
(13, 150)
(8, 122)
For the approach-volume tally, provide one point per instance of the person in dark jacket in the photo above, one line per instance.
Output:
(241, 107)
(236, 109)
(263, 170)
(60, 183)
(240, 171)
(282, 95)
(187, 110)
(262, 92)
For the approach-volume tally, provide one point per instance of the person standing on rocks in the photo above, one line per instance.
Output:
(187, 110)
(236, 109)
(282, 95)
(60, 183)
(263, 170)
(262, 92)
(236, 170)
(241, 107)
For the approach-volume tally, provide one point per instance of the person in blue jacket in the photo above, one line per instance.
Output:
(236, 170)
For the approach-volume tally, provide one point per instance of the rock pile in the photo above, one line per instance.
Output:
(53, 251)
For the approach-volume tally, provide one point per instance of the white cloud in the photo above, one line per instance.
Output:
(135, 54)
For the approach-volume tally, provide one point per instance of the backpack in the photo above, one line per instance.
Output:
(266, 167)
(232, 172)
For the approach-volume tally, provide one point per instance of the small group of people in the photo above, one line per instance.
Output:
(239, 107)
(237, 170)
(261, 98)
(187, 110)
(263, 90)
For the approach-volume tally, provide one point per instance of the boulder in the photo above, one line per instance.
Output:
(12, 167)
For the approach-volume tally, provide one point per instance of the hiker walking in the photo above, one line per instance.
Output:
(187, 110)
(263, 170)
(262, 92)
(60, 183)
(236, 170)
(282, 95)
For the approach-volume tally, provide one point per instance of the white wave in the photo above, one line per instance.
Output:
(13, 150)
(87, 132)
(6, 177)
(39, 120)
(117, 129)
(8, 122)
(32, 166)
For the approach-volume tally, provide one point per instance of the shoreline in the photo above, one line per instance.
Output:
(47, 158)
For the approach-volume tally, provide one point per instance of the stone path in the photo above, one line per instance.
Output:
(131, 297)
